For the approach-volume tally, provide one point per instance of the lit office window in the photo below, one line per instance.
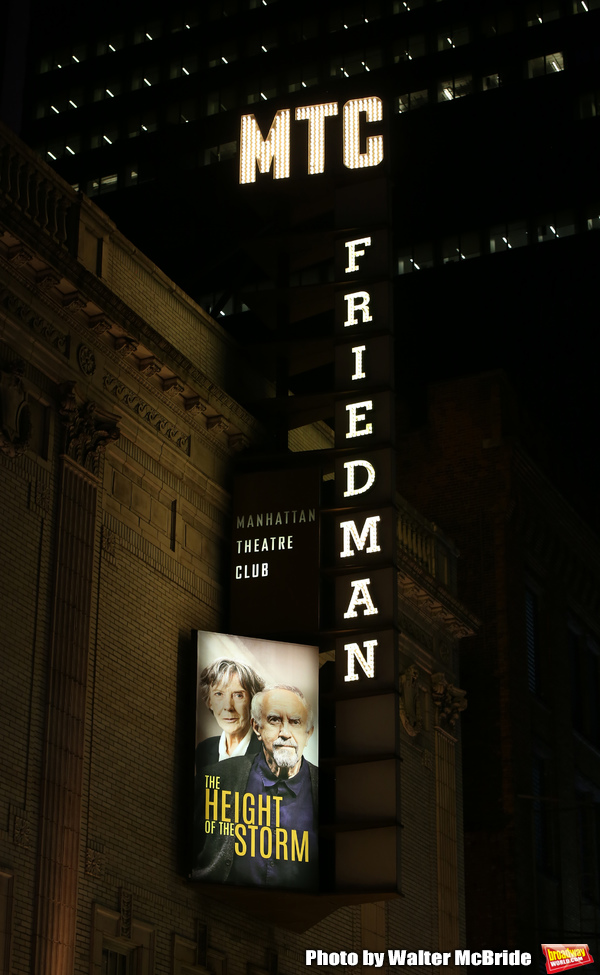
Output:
(405, 6)
(409, 48)
(413, 99)
(593, 219)
(304, 77)
(359, 62)
(453, 38)
(221, 101)
(415, 258)
(491, 81)
(222, 53)
(182, 112)
(262, 91)
(455, 88)
(553, 226)
(142, 124)
(460, 247)
(102, 184)
(589, 105)
(547, 64)
(352, 14)
(185, 20)
(505, 237)
(584, 6)
(261, 43)
(109, 90)
(145, 33)
(183, 67)
(541, 11)
(110, 44)
(144, 78)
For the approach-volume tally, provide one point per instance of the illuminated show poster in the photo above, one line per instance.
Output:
(256, 781)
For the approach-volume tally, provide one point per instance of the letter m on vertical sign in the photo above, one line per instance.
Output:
(256, 150)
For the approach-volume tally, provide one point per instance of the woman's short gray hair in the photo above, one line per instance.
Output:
(222, 670)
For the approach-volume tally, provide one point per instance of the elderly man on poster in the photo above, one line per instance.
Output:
(256, 816)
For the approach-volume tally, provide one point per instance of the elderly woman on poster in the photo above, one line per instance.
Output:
(227, 687)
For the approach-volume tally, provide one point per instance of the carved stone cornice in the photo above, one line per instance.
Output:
(21, 310)
(435, 601)
(448, 699)
(133, 402)
(88, 429)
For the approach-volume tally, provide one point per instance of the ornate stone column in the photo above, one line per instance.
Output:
(88, 432)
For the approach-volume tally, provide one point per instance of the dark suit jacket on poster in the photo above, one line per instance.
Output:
(207, 751)
(214, 851)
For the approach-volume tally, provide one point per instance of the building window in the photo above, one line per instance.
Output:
(452, 38)
(413, 99)
(504, 237)
(409, 48)
(304, 77)
(102, 185)
(491, 81)
(541, 11)
(415, 258)
(116, 962)
(460, 247)
(584, 6)
(455, 88)
(546, 64)
(551, 227)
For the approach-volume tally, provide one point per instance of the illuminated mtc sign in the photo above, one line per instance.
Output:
(256, 726)
(275, 552)
(274, 150)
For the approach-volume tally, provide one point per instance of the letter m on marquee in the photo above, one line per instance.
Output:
(274, 149)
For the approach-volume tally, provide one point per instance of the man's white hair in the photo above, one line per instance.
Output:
(256, 708)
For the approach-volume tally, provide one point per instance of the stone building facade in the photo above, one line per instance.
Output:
(121, 421)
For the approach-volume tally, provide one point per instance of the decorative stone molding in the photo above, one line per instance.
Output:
(194, 405)
(125, 911)
(15, 416)
(21, 833)
(411, 711)
(136, 404)
(100, 324)
(88, 430)
(217, 423)
(19, 255)
(73, 301)
(86, 360)
(47, 279)
(173, 385)
(427, 759)
(94, 862)
(238, 441)
(40, 497)
(109, 545)
(39, 325)
(149, 366)
(125, 345)
(448, 699)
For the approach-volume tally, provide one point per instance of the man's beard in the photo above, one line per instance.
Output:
(286, 756)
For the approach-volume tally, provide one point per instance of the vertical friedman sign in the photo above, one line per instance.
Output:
(365, 532)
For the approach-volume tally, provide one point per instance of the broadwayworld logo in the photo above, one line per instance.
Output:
(561, 957)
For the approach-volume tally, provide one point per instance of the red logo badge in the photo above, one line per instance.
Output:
(561, 957)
